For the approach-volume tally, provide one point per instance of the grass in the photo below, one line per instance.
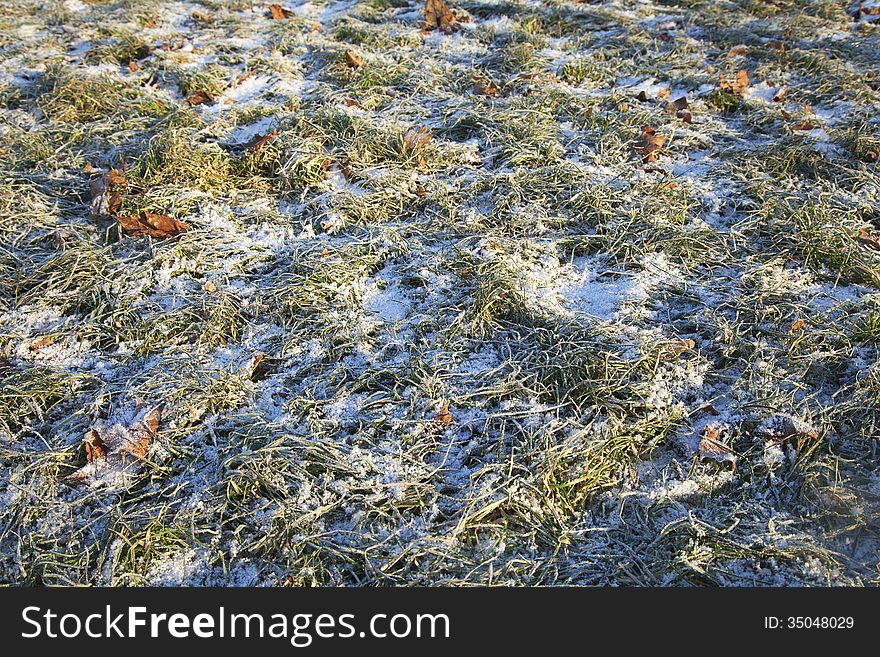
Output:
(491, 332)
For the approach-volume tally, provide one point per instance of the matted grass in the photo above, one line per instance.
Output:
(437, 317)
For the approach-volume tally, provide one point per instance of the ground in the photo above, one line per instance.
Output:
(521, 300)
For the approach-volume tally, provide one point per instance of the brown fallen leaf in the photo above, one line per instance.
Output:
(245, 76)
(797, 325)
(107, 192)
(201, 17)
(45, 341)
(444, 417)
(154, 225)
(132, 67)
(352, 59)
(675, 106)
(736, 51)
(712, 445)
(351, 102)
(255, 144)
(259, 367)
(685, 115)
(860, 9)
(210, 287)
(709, 408)
(279, 13)
(649, 144)
(95, 447)
(438, 16)
(486, 88)
(736, 84)
(110, 451)
(807, 124)
(681, 346)
(868, 240)
(200, 98)
(414, 140)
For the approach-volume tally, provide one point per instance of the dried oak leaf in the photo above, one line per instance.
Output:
(95, 446)
(649, 144)
(255, 144)
(868, 240)
(200, 98)
(154, 225)
(438, 16)
(110, 451)
(107, 192)
(279, 13)
(736, 84)
(352, 59)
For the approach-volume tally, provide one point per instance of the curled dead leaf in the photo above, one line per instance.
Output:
(649, 144)
(352, 59)
(804, 125)
(868, 240)
(201, 17)
(107, 192)
(109, 452)
(438, 16)
(279, 13)
(95, 447)
(414, 140)
(154, 225)
(736, 84)
(797, 325)
(259, 367)
(45, 341)
(444, 417)
(200, 98)
(255, 144)
(486, 88)
(682, 346)
(674, 106)
(713, 444)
